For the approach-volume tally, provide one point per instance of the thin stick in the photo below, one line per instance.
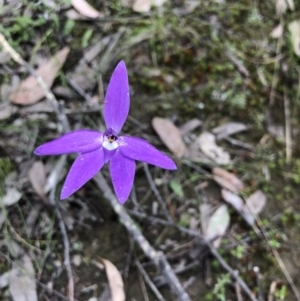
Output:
(157, 194)
(158, 258)
(149, 282)
(64, 121)
(288, 131)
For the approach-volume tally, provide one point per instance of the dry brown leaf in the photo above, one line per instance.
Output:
(22, 285)
(85, 9)
(37, 177)
(254, 205)
(29, 91)
(170, 135)
(233, 199)
(207, 144)
(229, 177)
(115, 281)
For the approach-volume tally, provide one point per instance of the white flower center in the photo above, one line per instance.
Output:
(110, 145)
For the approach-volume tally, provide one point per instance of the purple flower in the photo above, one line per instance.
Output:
(96, 148)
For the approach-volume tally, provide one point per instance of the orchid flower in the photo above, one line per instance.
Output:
(96, 148)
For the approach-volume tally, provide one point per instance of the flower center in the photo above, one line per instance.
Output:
(110, 141)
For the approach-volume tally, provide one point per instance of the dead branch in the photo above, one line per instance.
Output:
(149, 281)
(158, 258)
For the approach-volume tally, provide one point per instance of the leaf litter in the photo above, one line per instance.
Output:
(29, 91)
(170, 135)
(22, 285)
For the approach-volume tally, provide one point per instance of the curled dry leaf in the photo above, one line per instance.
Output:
(22, 285)
(29, 91)
(229, 177)
(217, 225)
(233, 199)
(227, 129)
(37, 177)
(115, 281)
(170, 135)
(254, 205)
(207, 144)
(85, 9)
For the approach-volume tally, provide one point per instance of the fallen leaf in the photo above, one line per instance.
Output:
(22, 285)
(4, 280)
(277, 32)
(190, 126)
(233, 199)
(85, 9)
(29, 91)
(170, 135)
(294, 29)
(141, 6)
(217, 225)
(228, 129)
(281, 7)
(6, 110)
(205, 210)
(115, 281)
(229, 177)
(11, 197)
(37, 177)
(254, 205)
(207, 144)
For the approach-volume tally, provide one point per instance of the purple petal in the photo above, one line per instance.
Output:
(141, 150)
(122, 172)
(83, 169)
(79, 141)
(117, 100)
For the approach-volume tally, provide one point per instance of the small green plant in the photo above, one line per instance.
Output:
(220, 287)
(281, 294)
(238, 252)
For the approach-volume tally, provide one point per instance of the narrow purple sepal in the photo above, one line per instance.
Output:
(139, 149)
(122, 172)
(83, 169)
(79, 141)
(117, 100)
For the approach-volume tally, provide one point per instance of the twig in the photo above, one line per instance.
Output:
(64, 121)
(259, 283)
(158, 258)
(143, 287)
(237, 63)
(288, 131)
(157, 194)
(276, 68)
(149, 281)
